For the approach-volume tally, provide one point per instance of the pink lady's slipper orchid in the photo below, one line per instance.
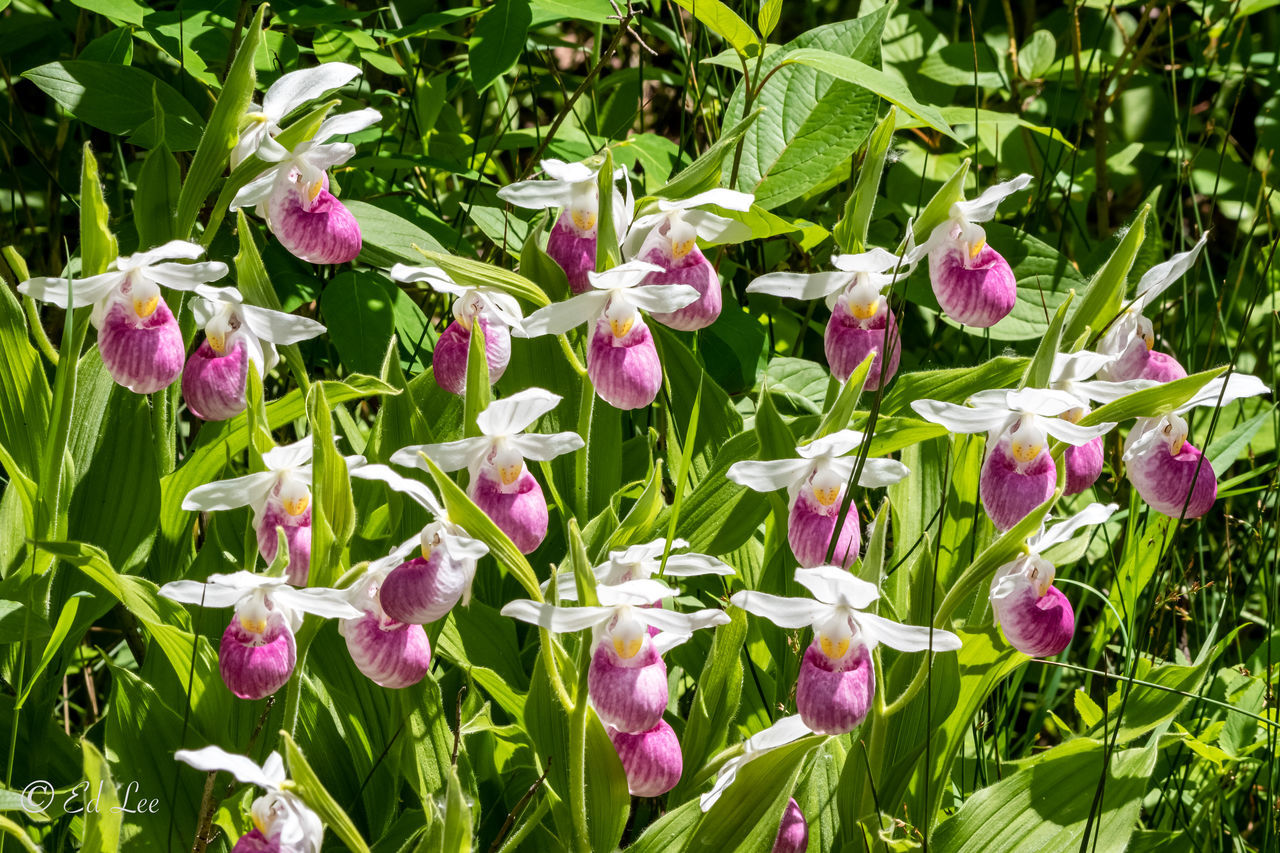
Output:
(784, 731)
(793, 831)
(651, 759)
(815, 484)
(497, 312)
(627, 680)
(1019, 473)
(138, 337)
(257, 654)
(669, 239)
(287, 94)
(640, 562)
(973, 283)
(837, 676)
(1170, 473)
(1131, 338)
(574, 189)
(501, 483)
(622, 360)
(861, 321)
(425, 588)
(280, 497)
(235, 336)
(293, 194)
(1034, 615)
(390, 652)
(282, 822)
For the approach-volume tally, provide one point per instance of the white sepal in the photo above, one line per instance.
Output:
(516, 412)
(768, 475)
(833, 585)
(1156, 280)
(905, 638)
(794, 285)
(561, 620)
(560, 317)
(983, 208)
(213, 758)
(780, 610)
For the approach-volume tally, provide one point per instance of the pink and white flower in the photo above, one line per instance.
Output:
(290, 92)
(1170, 473)
(861, 321)
(138, 337)
(293, 196)
(282, 822)
(497, 312)
(651, 759)
(574, 189)
(622, 360)
(815, 484)
(837, 675)
(425, 588)
(257, 654)
(1018, 474)
(973, 282)
(627, 679)
(1131, 338)
(501, 483)
(784, 731)
(390, 652)
(280, 498)
(669, 239)
(235, 336)
(641, 562)
(1034, 615)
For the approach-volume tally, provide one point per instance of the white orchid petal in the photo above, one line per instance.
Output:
(537, 195)
(204, 594)
(961, 418)
(561, 620)
(85, 291)
(1074, 434)
(258, 190)
(327, 603)
(837, 444)
(728, 199)
(450, 455)
(878, 473)
(906, 638)
(662, 299)
(672, 621)
(436, 277)
(213, 758)
(640, 591)
(289, 456)
(542, 448)
(794, 285)
(174, 250)
(278, 327)
(560, 317)
(768, 475)
(1094, 513)
(713, 228)
(248, 490)
(874, 260)
(833, 585)
(1156, 280)
(186, 276)
(1237, 385)
(690, 565)
(781, 611)
(1102, 391)
(414, 489)
(1078, 365)
(296, 88)
(569, 173)
(984, 206)
(623, 276)
(345, 123)
(1042, 401)
(517, 412)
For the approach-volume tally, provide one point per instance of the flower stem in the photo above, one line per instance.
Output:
(578, 755)
(586, 407)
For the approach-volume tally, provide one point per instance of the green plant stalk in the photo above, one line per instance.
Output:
(686, 459)
(578, 754)
(586, 409)
(293, 691)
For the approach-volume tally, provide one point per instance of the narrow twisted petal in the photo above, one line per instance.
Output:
(810, 527)
(625, 371)
(519, 510)
(696, 271)
(651, 759)
(297, 532)
(1165, 480)
(143, 355)
(847, 344)
(254, 666)
(419, 591)
(793, 831)
(392, 654)
(629, 695)
(834, 697)
(1036, 625)
(323, 232)
(1009, 491)
(1084, 466)
(1138, 362)
(979, 292)
(575, 253)
(213, 385)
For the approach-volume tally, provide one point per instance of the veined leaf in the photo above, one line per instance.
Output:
(724, 22)
(498, 41)
(470, 273)
(1152, 402)
(304, 782)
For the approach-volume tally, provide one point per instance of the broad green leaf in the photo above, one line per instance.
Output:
(478, 392)
(872, 79)
(951, 386)
(1040, 368)
(704, 173)
(498, 41)
(333, 511)
(101, 823)
(724, 22)
(117, 99)
(1102, 299)
(388, 237)
(768, 17)
(851, 231)
(1152, 402)
(938, 209)
(1047, 804)
(222, 132)
(964, 64)
(811, 121)
(159, 186)
(24, 393)
(471, 273)
(1036, 55)
(355, 307)
(304, 783)
(128, 11)
(97, 244)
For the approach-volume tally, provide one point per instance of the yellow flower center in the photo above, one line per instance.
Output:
(836, 650)
(297, 506)
(145, 308)
(826, 496)
(254, 626)
(218, 343)
(584, 219)
(621, 327)
(682, 247)
(976, 247)
(510, 473)
(1025, 452)
(864, 310)
(1176, 446)
(314, 190)
(627, 649)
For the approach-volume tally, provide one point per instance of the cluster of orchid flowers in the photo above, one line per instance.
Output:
(663, 275)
